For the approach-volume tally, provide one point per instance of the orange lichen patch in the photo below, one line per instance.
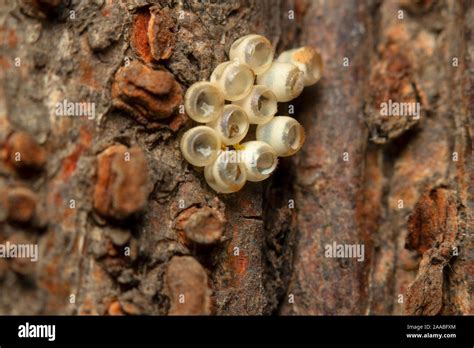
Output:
(106, 10)
(70, 162)
(239, 263)
(139, 36)
(187, 287)
(148, 95)
(160, 31)
(121, 186)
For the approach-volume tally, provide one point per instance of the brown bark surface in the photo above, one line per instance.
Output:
(125, 226)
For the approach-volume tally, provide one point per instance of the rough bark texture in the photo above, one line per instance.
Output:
(125, 226)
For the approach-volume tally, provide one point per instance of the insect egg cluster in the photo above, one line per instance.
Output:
(243, 92)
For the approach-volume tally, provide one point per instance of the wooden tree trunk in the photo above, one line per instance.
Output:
(125, 226)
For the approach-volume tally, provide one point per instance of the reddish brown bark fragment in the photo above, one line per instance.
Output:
(148, 95)
(139, 36)
(433, 230)
(187, 287)
(427, 221)
(425, 294)
(115, 309)
(161, 35)
(122, 177)
(24, 153)
(204, 226)
(21, 203)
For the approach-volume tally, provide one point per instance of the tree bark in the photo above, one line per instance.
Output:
(125, 226)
